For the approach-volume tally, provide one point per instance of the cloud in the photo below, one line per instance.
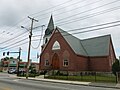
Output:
(12, 11)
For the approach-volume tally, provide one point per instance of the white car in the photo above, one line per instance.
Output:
(12, 71)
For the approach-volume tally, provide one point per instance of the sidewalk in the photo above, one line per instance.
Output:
(93, 84)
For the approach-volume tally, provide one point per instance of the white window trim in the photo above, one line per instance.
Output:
(46, 62)
(56, 46)
(64, 64)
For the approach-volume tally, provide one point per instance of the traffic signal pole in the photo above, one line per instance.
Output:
(18, 58)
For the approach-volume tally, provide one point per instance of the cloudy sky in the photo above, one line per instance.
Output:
(67, 14)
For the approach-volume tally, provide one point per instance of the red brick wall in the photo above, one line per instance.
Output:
(99, 64)
(64, 46)
(81, 63)
(76, 62)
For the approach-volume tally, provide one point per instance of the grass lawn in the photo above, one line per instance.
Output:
(110, 79)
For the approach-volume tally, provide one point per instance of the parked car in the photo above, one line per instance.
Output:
(12, 71)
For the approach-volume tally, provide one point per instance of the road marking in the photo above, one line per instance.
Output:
(16, 80)
(5, 88)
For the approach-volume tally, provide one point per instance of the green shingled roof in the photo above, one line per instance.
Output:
(97, 46)
(74, 42)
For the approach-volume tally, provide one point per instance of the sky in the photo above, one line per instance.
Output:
(67, 14)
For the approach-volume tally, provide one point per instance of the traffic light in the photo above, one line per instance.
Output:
(3, 53)
(7, 53)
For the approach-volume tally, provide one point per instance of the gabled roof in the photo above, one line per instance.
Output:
(97, 46)
(74, 42)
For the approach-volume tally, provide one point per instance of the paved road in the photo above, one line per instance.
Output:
(7, 83)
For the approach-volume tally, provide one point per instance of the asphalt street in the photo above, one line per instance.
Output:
(7, 83)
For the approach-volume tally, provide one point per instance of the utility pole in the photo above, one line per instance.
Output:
(28, 63)
(18, 61)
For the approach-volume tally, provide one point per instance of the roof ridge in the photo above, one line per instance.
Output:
(66, 32)
(96, 37)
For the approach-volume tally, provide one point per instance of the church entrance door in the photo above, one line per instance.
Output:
(55, 62)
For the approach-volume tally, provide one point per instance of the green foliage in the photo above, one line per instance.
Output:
(110, 79)
(6, 58)
(11, 58)
(32, 69)
(116, 67)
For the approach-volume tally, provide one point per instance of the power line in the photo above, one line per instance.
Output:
(21, 21)
(73, 30)
(15, 42)
(46, 9)
(87, 30)
(56, 6)
(74, 8)
(36, 13)
(15, 46)
(40, 39)
(12, 38)
(15, 37)
(88, 16)
(94, 26)
(88, 10)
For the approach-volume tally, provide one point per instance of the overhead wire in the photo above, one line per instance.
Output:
(33, 14)
(55, 7)
(15, 42)
(88, 16)
(64, 12)
(40, 39)
(68, 17)
(96, 29)
(13, 37)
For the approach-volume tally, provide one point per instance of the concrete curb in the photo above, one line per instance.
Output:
(72, 83)
(105, 86)
(69, 82)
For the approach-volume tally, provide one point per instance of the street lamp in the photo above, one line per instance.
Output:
(25, 28)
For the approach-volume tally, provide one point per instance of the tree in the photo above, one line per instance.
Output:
(6, 58)
(11, 58)
(116, 67)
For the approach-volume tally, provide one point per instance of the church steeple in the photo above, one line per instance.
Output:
(50, 27)
(48, 31)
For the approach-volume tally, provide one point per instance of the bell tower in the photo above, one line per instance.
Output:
(48, 32)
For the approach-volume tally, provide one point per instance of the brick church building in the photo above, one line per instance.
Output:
(63, 51)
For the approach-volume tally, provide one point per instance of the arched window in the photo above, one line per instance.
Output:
(56, 45)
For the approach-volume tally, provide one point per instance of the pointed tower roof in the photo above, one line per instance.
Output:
(50, 27)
